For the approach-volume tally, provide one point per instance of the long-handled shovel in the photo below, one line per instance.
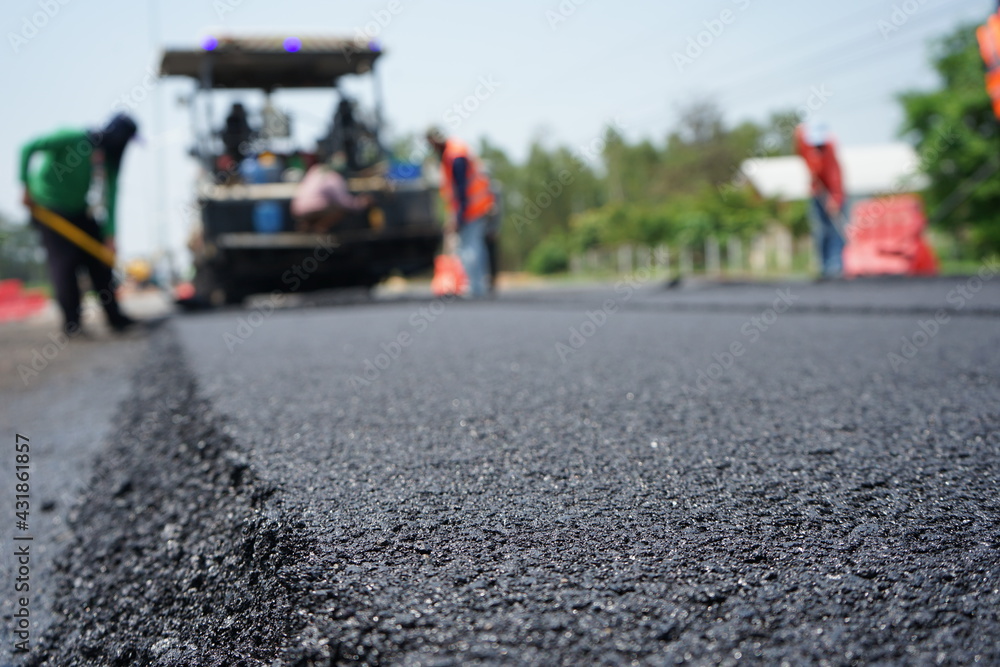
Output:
(73, 234)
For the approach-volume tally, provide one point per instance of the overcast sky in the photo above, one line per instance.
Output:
(558, 71)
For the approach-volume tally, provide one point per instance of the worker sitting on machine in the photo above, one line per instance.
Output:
(323, 198)
(237, 133)
(351, 136)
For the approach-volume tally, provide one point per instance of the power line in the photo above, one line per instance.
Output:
(842, 66)
(825, 31)
(775, 94)
(847, 64)
(786, 55)
(819, 62)
(823, 56)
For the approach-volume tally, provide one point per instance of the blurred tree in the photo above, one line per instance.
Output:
(956, 135)
(631, 171)
(408, 148)
(539, 197)
(21, 254)
(549, 256)
(702, 151)
(778, 136)
(559, 201)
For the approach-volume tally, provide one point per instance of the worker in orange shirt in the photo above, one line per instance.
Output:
(815, 144)
(466, 190)
(989, 46)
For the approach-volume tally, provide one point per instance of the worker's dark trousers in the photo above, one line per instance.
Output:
(492, 243)
(65, 259)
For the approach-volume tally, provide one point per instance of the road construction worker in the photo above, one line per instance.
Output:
(237, 133)
(467, 192)
(493, 222)
(73, 163)
(323, 198)
(989, 46)
(814, 142)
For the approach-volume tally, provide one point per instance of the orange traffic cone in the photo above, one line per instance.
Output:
(449, 276)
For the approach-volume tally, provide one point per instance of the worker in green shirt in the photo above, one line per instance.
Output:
(72, 167)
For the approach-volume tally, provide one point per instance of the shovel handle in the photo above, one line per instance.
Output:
(73, 234)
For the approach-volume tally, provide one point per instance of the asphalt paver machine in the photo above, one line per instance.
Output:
(247, 241)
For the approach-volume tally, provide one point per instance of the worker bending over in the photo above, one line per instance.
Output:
(467, 192)
(73, 163)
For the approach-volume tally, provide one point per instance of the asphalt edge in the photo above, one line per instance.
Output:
(181, 554)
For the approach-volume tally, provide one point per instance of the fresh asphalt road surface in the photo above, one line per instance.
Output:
(62, 397)
(620, 475)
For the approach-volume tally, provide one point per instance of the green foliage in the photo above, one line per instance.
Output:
(795, 216)
(540, 197)
(685, 189)
(616, 224)
(550, 256)
(779, 134)
(956, 134)
(683, 219)
(639, 193)
(21, 255)
(702, 152)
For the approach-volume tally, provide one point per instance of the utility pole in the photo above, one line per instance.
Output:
(161, 220)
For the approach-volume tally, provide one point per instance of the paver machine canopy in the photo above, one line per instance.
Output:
(237, 253)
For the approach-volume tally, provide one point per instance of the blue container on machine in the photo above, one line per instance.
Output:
(404, 171)
(268, 218)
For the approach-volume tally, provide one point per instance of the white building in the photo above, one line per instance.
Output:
(868, 171)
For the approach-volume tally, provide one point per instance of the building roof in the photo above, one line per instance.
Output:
(868, 171)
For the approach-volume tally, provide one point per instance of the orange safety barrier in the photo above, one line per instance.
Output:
(886, 237)
(16, 303)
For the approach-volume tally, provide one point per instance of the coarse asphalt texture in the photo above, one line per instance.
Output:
(761, 474)
(61, 398)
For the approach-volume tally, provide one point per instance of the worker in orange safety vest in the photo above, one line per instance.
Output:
(469, 197)
(989, 46)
